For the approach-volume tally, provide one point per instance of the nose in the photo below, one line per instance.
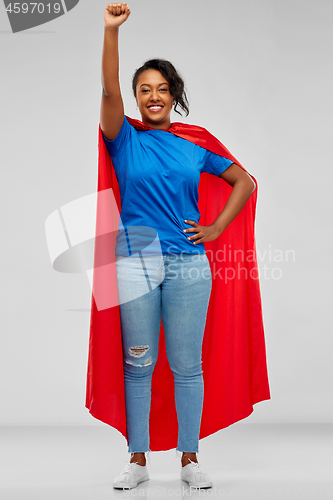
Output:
(154, 95)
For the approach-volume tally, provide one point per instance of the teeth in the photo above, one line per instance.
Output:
(155, 107)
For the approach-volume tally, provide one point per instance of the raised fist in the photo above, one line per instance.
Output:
(115, 14)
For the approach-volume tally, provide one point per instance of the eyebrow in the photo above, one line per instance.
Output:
(164, 83)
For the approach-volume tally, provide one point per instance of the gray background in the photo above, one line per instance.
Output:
(259, 77)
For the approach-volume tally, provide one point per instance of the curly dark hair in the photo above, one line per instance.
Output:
(176, 83)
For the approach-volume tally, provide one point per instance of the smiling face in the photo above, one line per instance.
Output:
(154, 99)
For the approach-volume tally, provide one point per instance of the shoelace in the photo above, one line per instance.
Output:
(148, 457)
(129, 467)
(195, 466)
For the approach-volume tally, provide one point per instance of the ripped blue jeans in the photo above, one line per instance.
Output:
(176, 288)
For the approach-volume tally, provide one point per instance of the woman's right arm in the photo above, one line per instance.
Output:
(112, 107)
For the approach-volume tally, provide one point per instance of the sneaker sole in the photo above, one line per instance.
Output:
(128, 486)
(207, 484)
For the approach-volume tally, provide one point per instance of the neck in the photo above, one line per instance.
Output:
(158, 126)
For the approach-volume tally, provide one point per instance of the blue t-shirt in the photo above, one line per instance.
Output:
(158, 175)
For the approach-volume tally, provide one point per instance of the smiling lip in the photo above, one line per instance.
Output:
(155, 108)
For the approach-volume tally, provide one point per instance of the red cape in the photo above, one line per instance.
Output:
(233, 353)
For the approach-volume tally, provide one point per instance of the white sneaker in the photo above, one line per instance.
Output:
(195, 476)
(131, 476)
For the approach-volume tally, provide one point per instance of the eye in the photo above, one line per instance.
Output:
(144, 90)
(164, 90)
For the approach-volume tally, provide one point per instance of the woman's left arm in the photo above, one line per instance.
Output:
(243, 186)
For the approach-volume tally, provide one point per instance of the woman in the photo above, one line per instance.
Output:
(158, 174)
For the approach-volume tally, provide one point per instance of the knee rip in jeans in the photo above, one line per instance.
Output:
(138, 352)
